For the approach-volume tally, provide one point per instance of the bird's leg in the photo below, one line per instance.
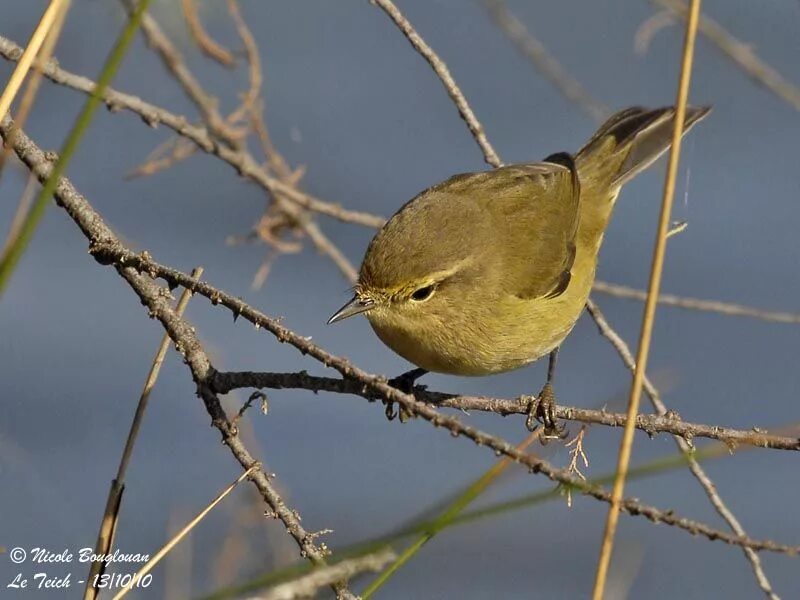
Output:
(404, 383)
(543, 408)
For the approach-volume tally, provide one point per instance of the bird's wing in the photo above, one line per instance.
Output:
(535, 207)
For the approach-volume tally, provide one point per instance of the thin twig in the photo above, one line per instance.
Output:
(205, 42)
(164, 156)
(649, 28)
(156, 558)
(250, 98)
(545, 62)
(651, 304)
(742, 54)
(108, 524)
(173, 61)
(715, 306)
(440, 68)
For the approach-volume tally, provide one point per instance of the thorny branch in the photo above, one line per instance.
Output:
(137, 269)
(670, 422)
(157, 300)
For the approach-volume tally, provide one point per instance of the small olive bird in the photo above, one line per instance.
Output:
(489, 271)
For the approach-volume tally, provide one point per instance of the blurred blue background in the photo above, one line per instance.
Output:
(346, 96)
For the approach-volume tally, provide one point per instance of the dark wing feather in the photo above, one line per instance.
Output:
(536, 212)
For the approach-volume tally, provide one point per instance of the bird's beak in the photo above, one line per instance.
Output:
(354, 307)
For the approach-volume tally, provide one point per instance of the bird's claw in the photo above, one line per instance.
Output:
(542, 409)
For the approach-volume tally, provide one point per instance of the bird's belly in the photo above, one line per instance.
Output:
(528, 331)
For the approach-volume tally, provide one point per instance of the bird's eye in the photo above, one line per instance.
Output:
(423, 293)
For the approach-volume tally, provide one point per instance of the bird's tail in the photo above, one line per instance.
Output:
(629, 142)
(625, 145)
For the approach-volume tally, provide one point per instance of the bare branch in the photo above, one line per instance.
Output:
(440, 68)
(241, 160)
(670, 422)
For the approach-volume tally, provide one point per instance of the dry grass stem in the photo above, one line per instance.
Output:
(35, 79)
(108, 524)
(684, 443)
(156, 558)
(651, 304)
(38, 37)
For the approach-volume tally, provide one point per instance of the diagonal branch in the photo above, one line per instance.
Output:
(241, 160)
(441, 70)
(157, 300)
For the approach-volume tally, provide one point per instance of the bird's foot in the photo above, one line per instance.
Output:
(543, 409)
(404, 383)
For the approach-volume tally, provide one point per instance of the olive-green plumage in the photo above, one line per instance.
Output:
(488, 271)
